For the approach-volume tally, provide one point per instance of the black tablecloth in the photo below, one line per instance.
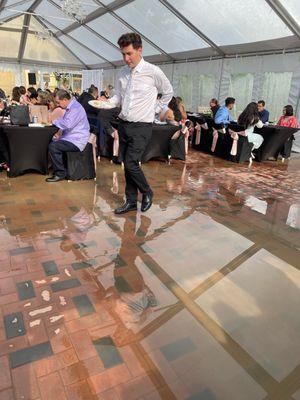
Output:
(274, 138)
(28, 148)
(159, 145)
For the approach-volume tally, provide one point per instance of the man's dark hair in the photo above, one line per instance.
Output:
(130, 38)
(229, 100)
(63, 94)
(289, 111)
(262, 102)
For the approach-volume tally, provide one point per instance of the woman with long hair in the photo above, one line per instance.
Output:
(289, 120)
(15, 96)
(250, 119)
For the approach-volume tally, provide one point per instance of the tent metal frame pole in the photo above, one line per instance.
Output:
(40, 20)
(112, 13)
(285, 16)
(192, 27)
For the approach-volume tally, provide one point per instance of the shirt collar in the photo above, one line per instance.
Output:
(140, 65)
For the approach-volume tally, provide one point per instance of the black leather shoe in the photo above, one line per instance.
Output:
(146, 201)
(54, 178)
(125, 208)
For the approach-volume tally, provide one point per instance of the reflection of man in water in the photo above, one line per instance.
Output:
(132, 298)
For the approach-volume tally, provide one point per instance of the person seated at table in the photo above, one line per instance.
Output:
(15, 96)
(54, 110)
(24, 99)
(43, 98)
(181, 107)
(173, 114)
(92, 94)
(73, 135)
(222, 115)
(250, 119)
(33, 98)
(263, 112)
(214, 106)
(288, 119)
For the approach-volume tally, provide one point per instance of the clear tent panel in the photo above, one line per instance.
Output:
(35, 25)
(14, 23)
(293, 8)
(88, 57)
(234, 22)
(93, 42)
(10, 43)
(104, 24)
(162, 26)
(15, 10)
(52, 14)
(50, 50)
(106, 2)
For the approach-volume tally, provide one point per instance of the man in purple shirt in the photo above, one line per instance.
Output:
(73, 134)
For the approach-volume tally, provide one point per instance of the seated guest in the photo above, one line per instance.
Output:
(73, 135)
(288, 119)
(222, 115)
(16, 96)
(43, 98)
(54, 110)
(250, 119)
(173, 114)
(24, 96)
(92, 94)
(33, 98)
(214, 106)
(263, 112)
(181, 107)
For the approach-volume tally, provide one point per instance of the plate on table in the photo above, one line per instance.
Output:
(36, 125)
(101, 104)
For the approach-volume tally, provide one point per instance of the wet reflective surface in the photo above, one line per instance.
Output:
(196, 299)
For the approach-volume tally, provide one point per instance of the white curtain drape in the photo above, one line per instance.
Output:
(92, 77)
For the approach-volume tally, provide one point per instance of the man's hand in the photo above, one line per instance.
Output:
(57, 134)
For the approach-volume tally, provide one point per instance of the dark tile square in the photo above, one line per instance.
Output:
(83, 305)
(50, 268)
(55, 239)
(108, 352)
(17, 231)
(14, 325)
(69, 284)
(83, 264)
(175, 350)
(114, 227)
(30, 354)
(205, 394)
(74, 208)
(30, 202)
(36, 213)
(21, 250)
(25, 290)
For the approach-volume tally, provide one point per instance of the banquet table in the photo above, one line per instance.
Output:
(160, 143)
(274, 138)
(27, 148)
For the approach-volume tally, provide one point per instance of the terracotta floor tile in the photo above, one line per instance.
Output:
(74, 373)
(51, 387)
(83, 345)
(23, 374)
(5, 379)
(7, 394)
(109, 378)
(80, 391)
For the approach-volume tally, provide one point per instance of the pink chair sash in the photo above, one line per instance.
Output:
(235, 137)
(198, 131)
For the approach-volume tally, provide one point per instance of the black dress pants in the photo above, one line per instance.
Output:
(134, 138)
(56, 149)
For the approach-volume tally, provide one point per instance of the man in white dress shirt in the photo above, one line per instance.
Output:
(136, 90)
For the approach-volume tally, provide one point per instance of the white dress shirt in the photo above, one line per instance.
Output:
(137, 89)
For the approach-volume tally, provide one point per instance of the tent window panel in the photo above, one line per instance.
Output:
(241, 88)
(185, 90)
(206, 89)
(276, 89)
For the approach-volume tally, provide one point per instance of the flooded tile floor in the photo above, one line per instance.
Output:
(197, 299)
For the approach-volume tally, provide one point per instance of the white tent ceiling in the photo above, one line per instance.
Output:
(172, 30)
